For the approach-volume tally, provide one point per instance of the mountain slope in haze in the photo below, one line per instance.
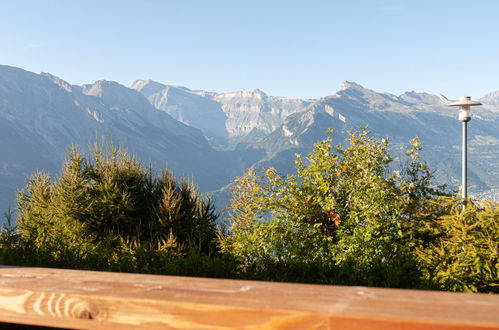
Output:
(41, 116)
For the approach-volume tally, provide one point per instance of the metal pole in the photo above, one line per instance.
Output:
(465, 103)
(465, 164)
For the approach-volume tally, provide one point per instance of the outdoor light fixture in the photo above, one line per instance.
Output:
(465, 103)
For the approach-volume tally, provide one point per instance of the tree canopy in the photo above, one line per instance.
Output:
(108, 203)
(347, 216)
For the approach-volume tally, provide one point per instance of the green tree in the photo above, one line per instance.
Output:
(464, 257)
(342, 218)
(107, 209)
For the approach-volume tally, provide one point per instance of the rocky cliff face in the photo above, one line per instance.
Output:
(254, 114)
(225, 118)
(187, 107)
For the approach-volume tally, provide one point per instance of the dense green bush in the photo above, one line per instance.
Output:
(107, 211)
(464, 257)
(345, 217)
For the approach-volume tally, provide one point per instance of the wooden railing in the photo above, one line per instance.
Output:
(100, 300)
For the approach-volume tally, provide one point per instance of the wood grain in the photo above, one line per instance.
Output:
(97, 300)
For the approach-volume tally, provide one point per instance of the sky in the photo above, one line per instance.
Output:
(303, 49)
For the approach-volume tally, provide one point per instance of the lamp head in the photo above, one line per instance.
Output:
(465, 103)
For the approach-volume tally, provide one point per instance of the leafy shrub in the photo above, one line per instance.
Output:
(342, 218)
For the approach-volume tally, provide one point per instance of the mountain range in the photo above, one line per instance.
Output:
(212, 137)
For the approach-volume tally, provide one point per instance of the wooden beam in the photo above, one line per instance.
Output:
(96, 300)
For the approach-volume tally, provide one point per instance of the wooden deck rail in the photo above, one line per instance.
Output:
(100, 300)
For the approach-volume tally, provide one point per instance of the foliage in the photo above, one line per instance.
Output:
(342, 210)
(347, 216)
(465, 255)
(107, 211)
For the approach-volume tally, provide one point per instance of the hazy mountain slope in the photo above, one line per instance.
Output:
(42, 115)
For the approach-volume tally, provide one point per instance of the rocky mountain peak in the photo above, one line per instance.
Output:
(491, 98)
(98, 87)
(116, 95)
(414, 97)
(58, 81)
(351, 85)
(147, 87)
(259, 92)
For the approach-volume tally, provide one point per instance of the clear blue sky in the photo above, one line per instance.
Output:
(290, 48)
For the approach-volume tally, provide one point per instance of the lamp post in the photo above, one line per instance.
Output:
(465, 103)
